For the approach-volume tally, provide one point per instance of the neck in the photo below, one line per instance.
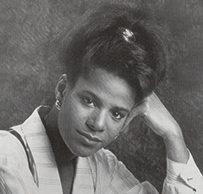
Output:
(62, 153)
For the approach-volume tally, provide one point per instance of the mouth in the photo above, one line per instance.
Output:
(90, 136)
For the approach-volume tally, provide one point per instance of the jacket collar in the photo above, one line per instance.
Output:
(35, 134)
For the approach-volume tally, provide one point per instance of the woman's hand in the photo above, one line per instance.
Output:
(158, 118)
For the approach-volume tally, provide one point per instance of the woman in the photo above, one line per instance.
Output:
(115, 59)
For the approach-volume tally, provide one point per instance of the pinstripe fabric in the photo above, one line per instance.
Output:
(100, 173)
(33, 132)
(91, 172)
(97, 174)
(30, 158)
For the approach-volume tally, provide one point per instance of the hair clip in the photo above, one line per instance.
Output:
(127, 34)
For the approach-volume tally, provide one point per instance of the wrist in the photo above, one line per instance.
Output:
(174, 131)
(175, 146)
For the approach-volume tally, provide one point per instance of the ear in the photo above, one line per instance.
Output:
(61, 87)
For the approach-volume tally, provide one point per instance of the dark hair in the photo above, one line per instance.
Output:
(99, 40)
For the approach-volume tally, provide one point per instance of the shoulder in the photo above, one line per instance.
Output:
(107, 157)
(115, 173)
(15, 176)
(11, 149)
(7, 140)
(109, 161)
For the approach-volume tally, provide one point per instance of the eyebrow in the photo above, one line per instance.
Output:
(122, 109)
(91, 94)
(97, 99)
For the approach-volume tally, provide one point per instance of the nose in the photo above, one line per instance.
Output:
(97, 120)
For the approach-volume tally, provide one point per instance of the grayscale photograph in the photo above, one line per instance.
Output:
(101, 97)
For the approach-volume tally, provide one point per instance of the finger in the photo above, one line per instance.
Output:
(143, 114)
(140, 110)
(143, 109)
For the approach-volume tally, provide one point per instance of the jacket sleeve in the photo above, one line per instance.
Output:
(15, 176)
(120, 179)
(183, 178)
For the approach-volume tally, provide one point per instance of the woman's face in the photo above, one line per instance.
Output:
(94, 111)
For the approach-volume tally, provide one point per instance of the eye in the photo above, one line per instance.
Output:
(88, 101)
(117, 115)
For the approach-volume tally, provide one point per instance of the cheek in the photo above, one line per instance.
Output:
(77, 110)
(112, 131)
(71, 117)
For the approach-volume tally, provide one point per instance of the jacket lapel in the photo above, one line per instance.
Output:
(83, 182)
(34, 134)
(33, 131)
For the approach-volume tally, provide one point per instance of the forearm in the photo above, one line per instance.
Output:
(175, 146)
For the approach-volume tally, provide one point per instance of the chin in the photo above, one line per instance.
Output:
(83, 152)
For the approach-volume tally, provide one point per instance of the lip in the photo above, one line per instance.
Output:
(89, 136)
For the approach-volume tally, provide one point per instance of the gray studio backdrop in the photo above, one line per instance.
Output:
(29, 70)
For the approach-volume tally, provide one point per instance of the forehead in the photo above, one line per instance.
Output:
(107, 87)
